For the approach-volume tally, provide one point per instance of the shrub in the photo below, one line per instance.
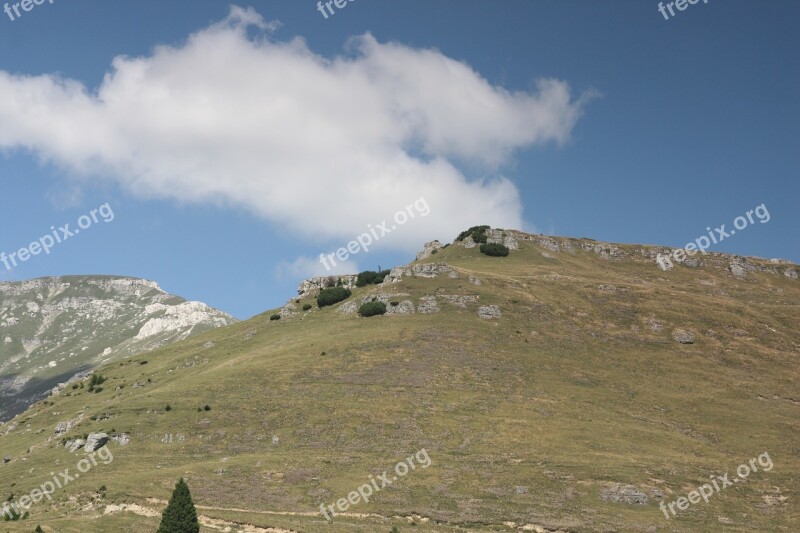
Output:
(332, 295)
(394, 303)
(370, 277)
(494, 249)
(207, 407)
(94, 381)
(306, 307)
(180, 516)
(478, 234)
(142, 362)
(372, 309)
(38, 529)
(168, 408)
(275, 317)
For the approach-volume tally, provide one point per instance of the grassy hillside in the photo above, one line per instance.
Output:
(529, 419)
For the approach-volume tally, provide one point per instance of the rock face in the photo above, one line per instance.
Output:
(95, 441)
(54, 330)
(312, 285)
(427, 270)
(428, 250)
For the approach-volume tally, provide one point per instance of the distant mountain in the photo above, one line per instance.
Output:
(56, 329)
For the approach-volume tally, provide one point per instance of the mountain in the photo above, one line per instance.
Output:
(55, 330)
(572, 385)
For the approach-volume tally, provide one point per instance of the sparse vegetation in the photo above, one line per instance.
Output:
(370, 277)
(332, 296)
(94, 381)
(478, 234)
(494, 249)
(372, 308)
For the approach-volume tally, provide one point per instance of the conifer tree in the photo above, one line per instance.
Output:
(180, 516)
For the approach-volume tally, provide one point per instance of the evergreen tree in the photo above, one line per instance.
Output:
(180, 516)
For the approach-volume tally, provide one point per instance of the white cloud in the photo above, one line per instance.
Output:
(307, 268)
(320, 146)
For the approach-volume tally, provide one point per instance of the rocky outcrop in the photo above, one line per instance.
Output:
(683, 336)
(95, 441)
(489, 311)
(426, 270)
(618, 493)
(311, 286)
(428, 304)
(428, 250)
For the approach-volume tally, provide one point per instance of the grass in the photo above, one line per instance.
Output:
(569, 390)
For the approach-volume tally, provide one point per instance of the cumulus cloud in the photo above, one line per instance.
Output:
(321, 146)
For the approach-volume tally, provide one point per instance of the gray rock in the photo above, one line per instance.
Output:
(6, 459)
(405, 307)
(683, 336)
(521, 490)
(314, 284)
(74, 445)
(207, 345)
(428, 305)
(63, 427)
(790, 273)
(468, 242)
(489, 311)
(95, 441)
(618, 493)
(460, 300)
(429, 249)
(123, 439)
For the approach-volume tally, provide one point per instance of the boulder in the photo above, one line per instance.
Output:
(95, 441)
(683, 336)
(618, 493)
(429, 249)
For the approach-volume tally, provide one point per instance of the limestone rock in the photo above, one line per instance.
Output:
(489, 311)
(95, 441)
(429, 249)
(683, 336)
(618, 493)
(428, 305)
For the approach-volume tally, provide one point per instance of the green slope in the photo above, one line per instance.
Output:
(529, 419)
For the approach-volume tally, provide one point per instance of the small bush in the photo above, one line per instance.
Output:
(372, 309)
(478, 234)
(168, 408)
(370, 277)
(207, 408)
(332, 295)
(142, 362)
(306, 307)
(494, 249)
(394, 303)
(275, 317)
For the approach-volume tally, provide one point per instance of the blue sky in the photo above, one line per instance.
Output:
(646, 131)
